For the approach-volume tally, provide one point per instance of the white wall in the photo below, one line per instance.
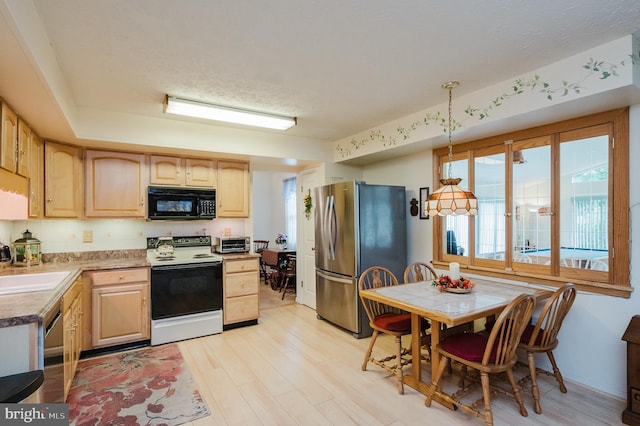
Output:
(5, 232)
(267, 205)
(60, 236)
(591, 351)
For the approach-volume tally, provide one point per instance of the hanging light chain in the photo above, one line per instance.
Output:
(449, 86)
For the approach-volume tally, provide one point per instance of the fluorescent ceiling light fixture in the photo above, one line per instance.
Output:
(190, 108)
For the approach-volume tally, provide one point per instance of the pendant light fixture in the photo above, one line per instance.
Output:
(450, 199)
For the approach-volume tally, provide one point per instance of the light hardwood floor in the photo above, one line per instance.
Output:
(293, 369)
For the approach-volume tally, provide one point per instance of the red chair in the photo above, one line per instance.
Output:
(388, 320)
(543, 338)
(489, 354)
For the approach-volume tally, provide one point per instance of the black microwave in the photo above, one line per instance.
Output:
(181, 203)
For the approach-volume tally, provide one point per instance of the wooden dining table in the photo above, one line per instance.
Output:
(275, 259)
(422, 299)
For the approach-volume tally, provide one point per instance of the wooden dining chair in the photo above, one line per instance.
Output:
(288, 274)
(489, 354)
(413, 273)
(419, 271)
(258, 246)
(388, 320)
(543, 338)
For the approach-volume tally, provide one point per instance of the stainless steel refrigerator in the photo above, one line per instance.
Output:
(356, 226)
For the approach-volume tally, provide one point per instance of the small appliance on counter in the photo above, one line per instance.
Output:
(232, 245)
(5, 255)
(26, 250)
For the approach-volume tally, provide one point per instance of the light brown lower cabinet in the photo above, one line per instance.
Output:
(120, 306)
(241, 299)
(72, 322)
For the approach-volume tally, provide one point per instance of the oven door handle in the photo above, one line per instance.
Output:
(185, 266)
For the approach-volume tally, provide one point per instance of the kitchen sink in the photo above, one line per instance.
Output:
(13, 284)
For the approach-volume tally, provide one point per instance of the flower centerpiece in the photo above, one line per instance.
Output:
(281, 240)
(307, 205)
(446, 283)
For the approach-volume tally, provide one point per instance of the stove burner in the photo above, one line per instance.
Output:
(163, 258)
(202, 255)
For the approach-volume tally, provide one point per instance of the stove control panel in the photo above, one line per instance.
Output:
(201, 241)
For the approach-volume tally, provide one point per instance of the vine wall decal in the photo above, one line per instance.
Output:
(594, 68)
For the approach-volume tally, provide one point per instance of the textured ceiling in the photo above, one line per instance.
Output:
(339, 66)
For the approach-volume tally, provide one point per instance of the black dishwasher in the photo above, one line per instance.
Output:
(53, 385)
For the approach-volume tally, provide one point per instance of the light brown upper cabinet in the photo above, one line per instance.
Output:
(36, 178)
(63, 180)
(232, 193)
(116, 184)
(23, 149)
(9, 138)
(176, 171)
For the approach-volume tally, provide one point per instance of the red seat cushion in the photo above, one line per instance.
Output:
(469, 346)
(398, 322)
(526, 336)
(394, 322)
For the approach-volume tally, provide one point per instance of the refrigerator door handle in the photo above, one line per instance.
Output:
(332, 228)
(335, 278)
(325, 228)
(328, 228)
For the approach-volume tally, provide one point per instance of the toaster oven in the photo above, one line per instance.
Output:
(232, 245)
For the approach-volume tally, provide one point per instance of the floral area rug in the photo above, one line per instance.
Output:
(149, 386)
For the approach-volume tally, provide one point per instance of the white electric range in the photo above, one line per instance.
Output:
(186, 290)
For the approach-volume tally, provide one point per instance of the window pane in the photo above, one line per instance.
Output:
(490, 191)
(456, 229)
(532, 204)
(584, 208)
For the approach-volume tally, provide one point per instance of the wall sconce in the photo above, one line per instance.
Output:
(424, 196)
(190, 108)
(414, 207)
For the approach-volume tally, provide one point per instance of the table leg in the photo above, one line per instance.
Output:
(435, 362)
(415, 348)
(435, 339)
(415, 379)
